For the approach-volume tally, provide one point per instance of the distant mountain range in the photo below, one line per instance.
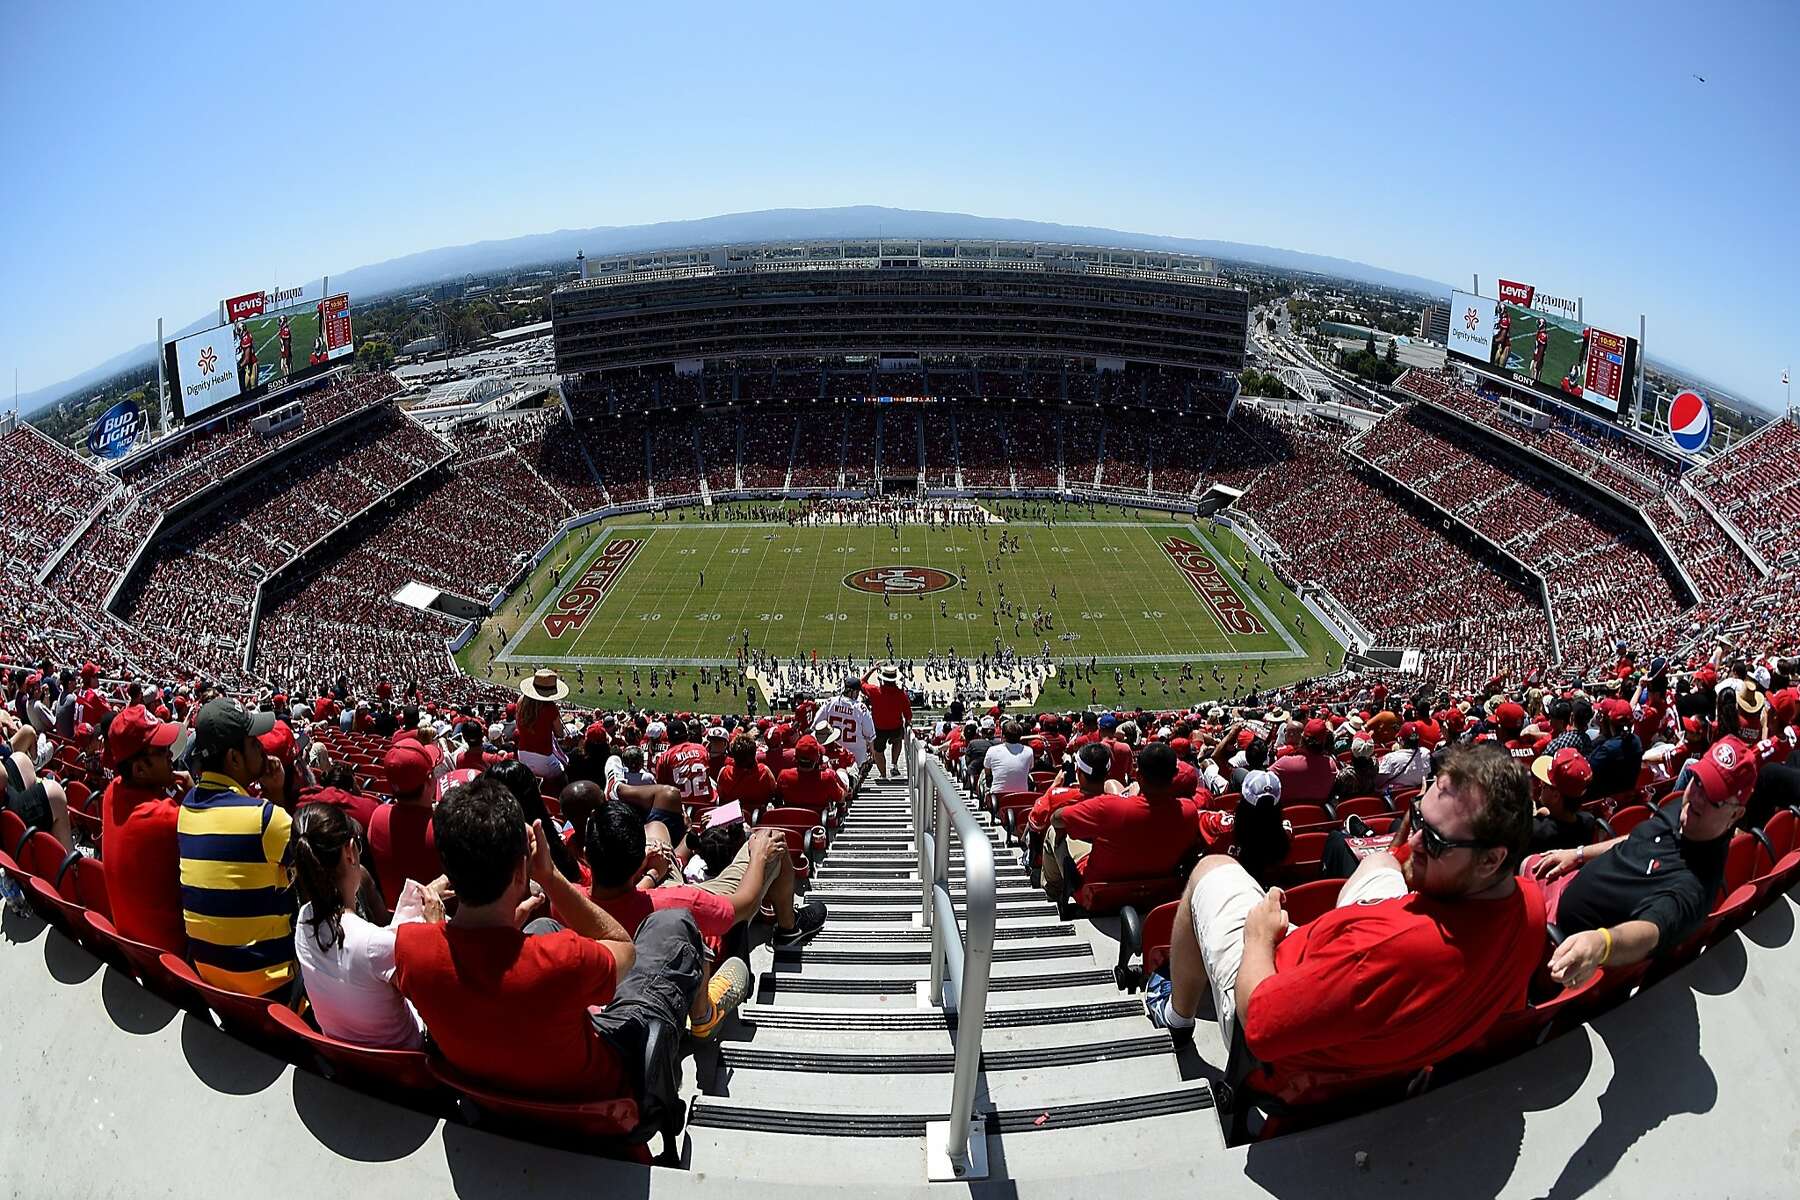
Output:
(859, 221)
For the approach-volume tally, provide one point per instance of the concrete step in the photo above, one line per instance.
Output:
(905, 933)
(1142, 1067)
(816, 1119)
(1165, 1135)
(875, 951)
(1049, 1039)
(1006, 1010)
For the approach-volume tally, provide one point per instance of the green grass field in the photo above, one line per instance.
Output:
(681, 591)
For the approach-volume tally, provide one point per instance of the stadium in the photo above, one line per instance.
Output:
(1013, 494)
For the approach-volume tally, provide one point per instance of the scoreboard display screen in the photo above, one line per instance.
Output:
(1593, 368)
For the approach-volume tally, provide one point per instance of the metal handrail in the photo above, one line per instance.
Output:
(962, 958)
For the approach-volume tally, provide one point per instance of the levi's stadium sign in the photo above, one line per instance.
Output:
(899, 581)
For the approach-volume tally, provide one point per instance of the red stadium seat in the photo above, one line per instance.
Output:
(1360, 806)
(1306, 853)
(1302, 815)
(1627, 819)
(1227, 802)
(246, 1014)
(589, 1122)
(143, 962)
(806, 836)
(1147, 935)
(1308, 901)
(403, 1072)
(1778, 854)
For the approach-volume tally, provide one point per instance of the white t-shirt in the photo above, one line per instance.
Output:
(351, 985)
(1009, 766)
(1401, 768)
(854, 723)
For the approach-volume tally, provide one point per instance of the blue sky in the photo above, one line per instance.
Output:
(158, 157)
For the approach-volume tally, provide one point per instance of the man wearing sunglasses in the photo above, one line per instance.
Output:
(1427, 946)
(1619, 902)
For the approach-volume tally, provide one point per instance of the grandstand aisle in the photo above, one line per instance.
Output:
(835, 1043)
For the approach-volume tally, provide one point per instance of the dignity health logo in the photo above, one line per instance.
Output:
(208, 360)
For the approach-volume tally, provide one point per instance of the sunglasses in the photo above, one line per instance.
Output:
(1435, 844)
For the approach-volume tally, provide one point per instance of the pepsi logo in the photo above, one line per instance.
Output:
(900, 581)
(1690, 421)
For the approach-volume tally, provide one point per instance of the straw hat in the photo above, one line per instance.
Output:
(545, 685)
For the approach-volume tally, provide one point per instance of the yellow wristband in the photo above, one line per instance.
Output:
(1607, 934)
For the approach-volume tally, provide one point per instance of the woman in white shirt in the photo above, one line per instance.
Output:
(346, 959)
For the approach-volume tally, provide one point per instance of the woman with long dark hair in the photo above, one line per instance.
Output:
(342, 940)
(518, 779)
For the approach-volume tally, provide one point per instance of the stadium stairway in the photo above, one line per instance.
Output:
(837, 1041)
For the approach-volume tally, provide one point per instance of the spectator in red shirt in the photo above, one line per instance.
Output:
(473, 757)
(1136, 834)
(143, 857)
(619, 855)
(401, 838)
(1091, 763)
(744, 780)
(892, 710)
(808, 784)
(1308, 774)
(1427, 947)
(507, 994)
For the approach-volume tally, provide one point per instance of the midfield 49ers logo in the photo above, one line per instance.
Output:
(900, 581)
(1210, 584)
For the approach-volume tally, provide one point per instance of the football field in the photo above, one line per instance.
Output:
(1138, 598)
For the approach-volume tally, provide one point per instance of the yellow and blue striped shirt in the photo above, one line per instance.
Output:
(235, 895)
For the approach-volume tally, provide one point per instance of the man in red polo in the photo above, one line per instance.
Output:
(808, 783)
(1131, 835)
(401, 839)
(138, 815)
(892, 710)
(1308, 773)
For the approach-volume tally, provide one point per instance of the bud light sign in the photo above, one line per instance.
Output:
(116, 431)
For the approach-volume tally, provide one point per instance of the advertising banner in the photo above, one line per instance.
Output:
(204, 371)
(334, 320)
(116, 432)
(1471, 326)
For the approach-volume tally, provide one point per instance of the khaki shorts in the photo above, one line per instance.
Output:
(1223, 899)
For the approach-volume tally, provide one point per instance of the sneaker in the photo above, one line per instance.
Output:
(1355, 826)
(729, 986)
(809, 918)
(1159, 993)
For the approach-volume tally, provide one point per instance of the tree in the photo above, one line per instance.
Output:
(1369, 346)
(1393, 353)
(374, 355)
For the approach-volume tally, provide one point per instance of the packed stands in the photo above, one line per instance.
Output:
(1081, 433)
(860, 422)
(672, 462)
(718, 450)
(1756, 486)
(1127, 452)
(900, 445)
(982, 441)
(819, 449)
(1037, 443)
(46, 493)
(768, 444)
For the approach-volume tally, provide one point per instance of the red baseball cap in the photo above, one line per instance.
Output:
(1726, 772)
(89, 671)
(1567, 771)
(1316, 732)
(1510, 715)
(134, 731)
(808, 750)
(279, 742)
(1180, 746)
(1786, 704)
(597, 732)
(409, 766)
(1614, 709)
